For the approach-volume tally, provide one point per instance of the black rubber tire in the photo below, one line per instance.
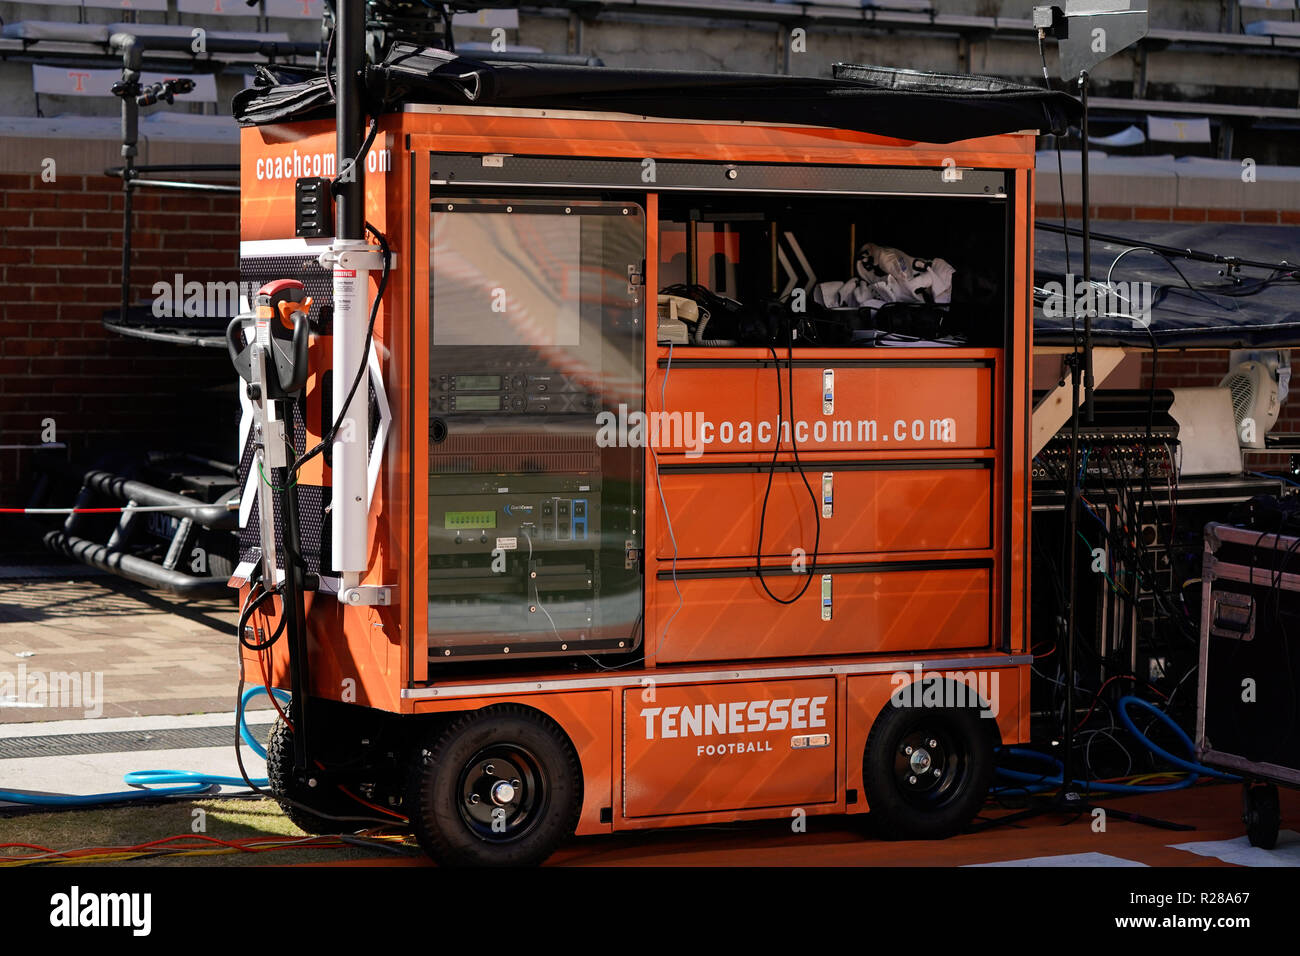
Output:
(899, 811)
(1261, 813)
(541, 815)
(283, 786)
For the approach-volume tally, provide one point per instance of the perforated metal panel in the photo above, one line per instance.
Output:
(312, 502)
(256, 271)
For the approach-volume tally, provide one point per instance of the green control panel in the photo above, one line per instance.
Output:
(456, 520)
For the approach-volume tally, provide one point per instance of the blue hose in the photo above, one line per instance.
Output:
(157, 783)
(1037, 783)
(1127, 721)
(1030, 782)
(282, 695)
(99, 799)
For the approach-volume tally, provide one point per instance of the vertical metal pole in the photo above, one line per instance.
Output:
(128, 212)
(349, 506)
(1088, 382)
(1082, 368)
(130, 149)
(350, 300)
(1072, 584)
(350, 42)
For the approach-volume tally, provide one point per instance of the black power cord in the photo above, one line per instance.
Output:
(771, 470)
(346, 172)
(246, 614)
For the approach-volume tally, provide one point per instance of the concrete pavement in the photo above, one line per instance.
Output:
(146, 652)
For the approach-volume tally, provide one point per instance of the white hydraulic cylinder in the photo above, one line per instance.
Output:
(349, 511)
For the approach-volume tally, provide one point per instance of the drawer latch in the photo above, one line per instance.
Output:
(1233, 616)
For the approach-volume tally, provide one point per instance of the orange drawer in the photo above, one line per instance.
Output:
(728, 746)
(877, 506)
(719, 406)
(889, 607)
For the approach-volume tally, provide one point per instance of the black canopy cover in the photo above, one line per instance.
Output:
(1179, 302)
(921, 107)
(909, 105)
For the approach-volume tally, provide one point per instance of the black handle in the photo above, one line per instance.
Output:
(240, 356)
(293, 374)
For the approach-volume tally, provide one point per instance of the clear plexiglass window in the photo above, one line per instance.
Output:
(536, 341)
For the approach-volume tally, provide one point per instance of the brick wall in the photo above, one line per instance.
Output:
(60, 258)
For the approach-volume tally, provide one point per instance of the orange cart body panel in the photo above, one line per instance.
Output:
(893, 506)
(940, 402)
(732, 618)
(733, 746)
(915, 553)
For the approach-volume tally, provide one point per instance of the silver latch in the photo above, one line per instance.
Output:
(1233, 616)
(368, 595)
(366, 257)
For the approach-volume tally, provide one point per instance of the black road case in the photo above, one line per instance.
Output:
(1248, 713)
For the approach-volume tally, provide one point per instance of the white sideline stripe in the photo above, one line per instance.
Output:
(1239, 851)
(1067, 859)
(83, 774)
(101, 725)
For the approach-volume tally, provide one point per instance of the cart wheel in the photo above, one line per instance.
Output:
(500, 787)
(1261, 814)
(286, 787)
(926, 771)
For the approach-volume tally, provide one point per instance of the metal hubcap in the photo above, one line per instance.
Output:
(502, 793)
(920, 761)
(927, 767)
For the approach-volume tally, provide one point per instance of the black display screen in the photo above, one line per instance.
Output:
(481, 383)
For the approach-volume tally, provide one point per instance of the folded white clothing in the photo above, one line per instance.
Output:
(894, 276)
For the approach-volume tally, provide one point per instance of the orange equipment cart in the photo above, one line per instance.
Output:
(664, 527)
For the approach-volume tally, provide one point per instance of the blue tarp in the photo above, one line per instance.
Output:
(1201, 308)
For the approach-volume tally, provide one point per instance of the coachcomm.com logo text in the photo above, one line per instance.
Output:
(734, 717)
(694, 431)
(296, 165)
